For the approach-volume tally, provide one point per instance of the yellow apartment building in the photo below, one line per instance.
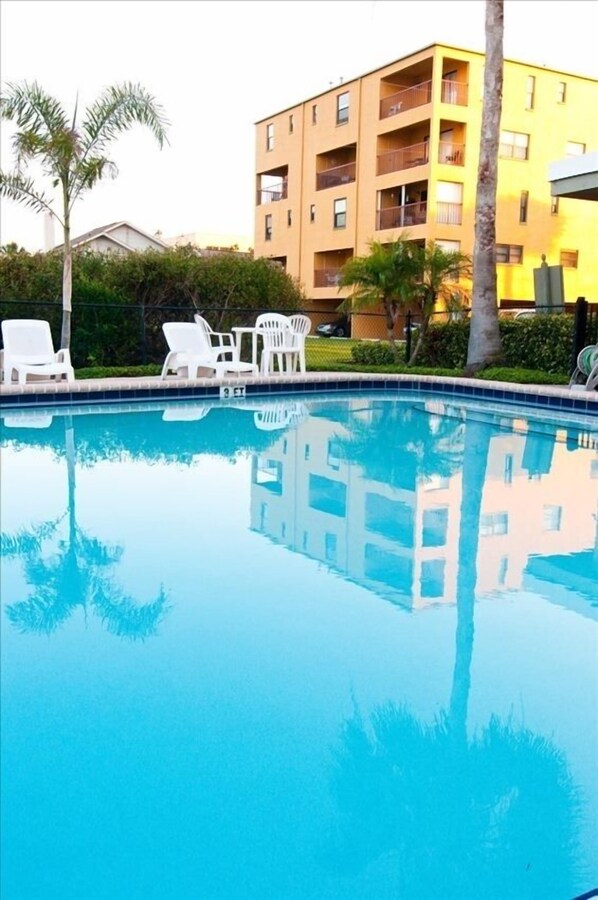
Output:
(396, 151)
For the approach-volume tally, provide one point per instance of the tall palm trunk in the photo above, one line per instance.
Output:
(67, 276)
(484, 336)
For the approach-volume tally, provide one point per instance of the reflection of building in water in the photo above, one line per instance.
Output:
(399, 536)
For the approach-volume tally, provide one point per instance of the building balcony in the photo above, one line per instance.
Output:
(402, 216)
(406, 98)
(449, 213)
(403, 158)
(451, 154)
(335, 176)
(454, 92)
(272, 193)
(327, 277)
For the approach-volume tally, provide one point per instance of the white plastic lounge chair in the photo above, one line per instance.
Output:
(27, 420)
(278, 343)
(586, 370)
(186, 412)
(189, 350)
(28, 350)
(222, 341)
(300, 327)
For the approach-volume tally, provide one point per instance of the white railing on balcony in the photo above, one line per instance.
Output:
(402, 216)
(335, 175)
(272, 194)
(451, 154)
(406, 98)
(403, 158)
(454, 92)
(449, 213)
(327, 277)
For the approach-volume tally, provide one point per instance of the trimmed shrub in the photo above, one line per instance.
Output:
(368, 353)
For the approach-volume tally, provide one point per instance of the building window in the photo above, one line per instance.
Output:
(554, 206)
(494, 523)
(330, 547)
(306, 452)
(503, 568)
(333, 458)
(449, 246)
(509, 253)
(561, 92)
(340, 213)
(270, 136)
(268, 228)
(530, 90)
(291, 124)
(289, 218)
(552, 518)
(514, 145)
(569, 259)
(574, 148)
(314, 114)
(432, 578)
(312, 212)
(508, 472)
(435, 526)
(523, 201)
(342, 108)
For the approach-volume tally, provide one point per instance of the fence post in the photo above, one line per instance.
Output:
(408, 336)
(579, 329)
(143, 337)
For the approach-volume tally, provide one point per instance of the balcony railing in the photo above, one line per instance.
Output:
(335, 175)
(402, 216)
(451, 154)
(454, 92)
(449, 213)
(407, 98)
(327, 277)
(272, 194)
(405, 158)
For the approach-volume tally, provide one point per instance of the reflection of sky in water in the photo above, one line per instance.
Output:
(243, 746)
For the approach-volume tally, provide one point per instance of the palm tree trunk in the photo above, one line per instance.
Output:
(484, 337)
(67, 276)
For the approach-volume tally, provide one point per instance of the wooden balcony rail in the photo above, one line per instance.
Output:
(272, 194)
(451, 154)
(407, 98)
(454, 92)
(405, 158)
(402, 216)
(336, 175)
(327, 277)
(449, 213)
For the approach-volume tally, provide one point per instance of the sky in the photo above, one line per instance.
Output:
(218, 67)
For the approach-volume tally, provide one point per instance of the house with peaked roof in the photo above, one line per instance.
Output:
(118, 237)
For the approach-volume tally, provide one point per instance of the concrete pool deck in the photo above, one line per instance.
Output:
(103, 390)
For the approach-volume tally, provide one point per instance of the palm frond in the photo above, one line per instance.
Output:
(115, 111)
(17, 187)
(32, 108)
(88, 172)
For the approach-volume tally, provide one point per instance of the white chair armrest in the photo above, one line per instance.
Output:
(64, 356)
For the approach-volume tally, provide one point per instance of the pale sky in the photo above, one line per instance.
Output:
(218, 67)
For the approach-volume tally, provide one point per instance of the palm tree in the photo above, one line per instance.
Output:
(484, 336)
(382, 278)
(440, 271)
(72, 156)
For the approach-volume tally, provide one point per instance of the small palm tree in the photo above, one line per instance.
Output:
(440, 271)
(72, 156)
(382, 278)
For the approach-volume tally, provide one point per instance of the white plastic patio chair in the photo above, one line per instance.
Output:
(278, 343)
(190, 350)
(300, 327)
(222, 341)
(28, 350)
(585, 376)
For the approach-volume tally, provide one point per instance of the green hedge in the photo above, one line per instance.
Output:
(541, 343)
(120, 302)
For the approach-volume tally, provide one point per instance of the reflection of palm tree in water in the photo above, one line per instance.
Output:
(437, 813)
(77, 575)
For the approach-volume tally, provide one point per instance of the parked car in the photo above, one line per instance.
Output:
(340, 327)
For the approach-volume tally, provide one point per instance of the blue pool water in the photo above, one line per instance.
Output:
(333, 648)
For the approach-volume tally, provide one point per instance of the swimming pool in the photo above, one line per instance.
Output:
(306, 648)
